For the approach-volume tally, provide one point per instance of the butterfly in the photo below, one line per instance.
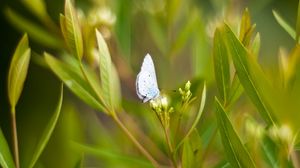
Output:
(146, 82)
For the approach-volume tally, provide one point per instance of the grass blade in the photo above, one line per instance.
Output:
(48, 131)
(221, 66)
(6, 160)
(18, 71)
(235, 151)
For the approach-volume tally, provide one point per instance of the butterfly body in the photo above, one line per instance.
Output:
(146, 82)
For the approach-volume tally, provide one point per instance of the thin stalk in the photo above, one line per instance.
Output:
(294, 159)
(15, 137)
(171, 149)
(135, 142)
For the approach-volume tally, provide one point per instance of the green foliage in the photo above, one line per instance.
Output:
(236, 152)
(74, 81)
(6, 160)
(18, 71)
(250, 74)
(108, 74)
(95, 51)
(47, 131)
(71, 30)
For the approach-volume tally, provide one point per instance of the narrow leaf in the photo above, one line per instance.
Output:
(250, 74)
(48, 131)
(35, 32)
(284, 25)
(298, 23)
(71, 30)
(108, 154)
(221, 66)
(256, 45)
(187, 155)
(108, 74)
(74, 81)
(18, 71)
(191, 129)
(235, 151)
(6, 160)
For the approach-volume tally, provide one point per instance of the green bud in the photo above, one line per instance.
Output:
(187, 86)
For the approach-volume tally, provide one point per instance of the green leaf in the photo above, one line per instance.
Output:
(47, 132)
(221, 66)
(246, 28)
(250, 75)
(74, 81)
(35, 32)
(108, 74)
(187, 155)
(71, 30)
(236, 152)
(107, 154)
(6, 160)
(200, 111)
(256, 45)
(298, 23)
(37, 7)
(284, 25)
(235, 91)
(270, 152)
(18, 71)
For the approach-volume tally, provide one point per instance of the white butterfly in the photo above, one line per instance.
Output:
(146, 83)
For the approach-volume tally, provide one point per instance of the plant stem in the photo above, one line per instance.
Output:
(171, 149)
(15, 137)
(134, 140)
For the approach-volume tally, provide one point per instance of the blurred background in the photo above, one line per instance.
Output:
(178, 34)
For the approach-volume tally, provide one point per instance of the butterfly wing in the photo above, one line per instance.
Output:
(146, 83)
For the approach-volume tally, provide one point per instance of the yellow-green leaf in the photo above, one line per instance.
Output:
(71, 30)
(109, 78)
(18, 71)
(284, 25)
(34, 31)
(221, 66)
(74, 81)
(250, 75)
(6, 160)
(236, 153)
(47, 132)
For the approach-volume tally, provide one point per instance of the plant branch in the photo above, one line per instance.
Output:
(134, 140)
(171, 149)
(15, 137)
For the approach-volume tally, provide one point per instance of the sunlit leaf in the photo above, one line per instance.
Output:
(198, 116)
(74, 81)
(18, 71)
(250, 75)
(246, 28)
(71, 30)
(221, 66)
(34, 31)
(284, 25)
(256, 45)
(236, 152)
(108, 74)
(47, 131)
(107, 154)
(6, 160)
